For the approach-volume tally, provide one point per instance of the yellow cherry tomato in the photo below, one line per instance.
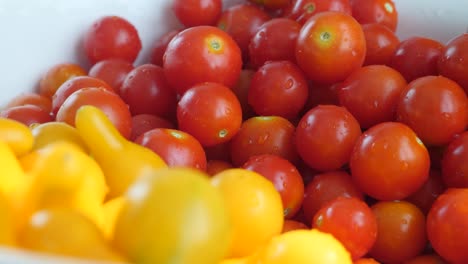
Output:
(111, 210)
(254, 206)
(7, 227)
(66, 232)
(16, 135)
(175, 216)
(50, 132)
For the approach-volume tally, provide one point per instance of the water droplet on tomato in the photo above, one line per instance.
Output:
(289, 83)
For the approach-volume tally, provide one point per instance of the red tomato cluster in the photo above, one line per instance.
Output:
(363, 135)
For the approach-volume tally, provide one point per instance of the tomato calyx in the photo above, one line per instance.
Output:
(223, 133)
(309, 8)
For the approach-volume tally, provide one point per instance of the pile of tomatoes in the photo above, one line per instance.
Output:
(272, 131)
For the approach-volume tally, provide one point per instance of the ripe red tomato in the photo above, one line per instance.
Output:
(284, 175)
(320, 48)
(272, 4)
(109, 102)
(455, 162)
(218, 152)
(146, 91)
(112, 37)
(375, 11)
(435, 107)
(56, 75)
(274, 41)
(264, 135)
(453, 62)
(381, 44)
(324, 188)
(210, 112)
(214, 167)
(241, 89)
(27, 114)
(389, 162)
(427, 259)
(371, 94)
(201, 54)
(175, 147)
(146, 122)
(278, 88)
(31, 98)
(111, 71)
(302, 10)
(160, 46)
(401, 232)
(447, 225)
(322, 94)
(290, 225)
(428, 193)
(417, 57)
(351, 221)
(193, 13)
(325, 137)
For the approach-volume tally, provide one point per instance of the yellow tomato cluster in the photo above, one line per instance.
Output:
(87, 192)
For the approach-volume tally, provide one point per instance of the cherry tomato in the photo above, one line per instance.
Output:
(275, 40)
(453, 62)
(324, 188)
(426, 259)
(375, 11)
(351, 221)
(201, 54)
(56, 75)
(320, 51)
(325, 137)
(73, 85)
(302, 10)
(241, 89)
(160, 46)
(290, 225)
(401, 232)
(322, 94)
(146, 91)
(264, 135)
(27, 114)
(428, 193)
(241, 22)
(31, 98)
(381, 44)
(176, 148)
(111, 71)
(214, 167)
(389, 162)
(219, 152)
(366, 261)
(109, 102)
(447, 225)
(272, 4)
(210, 112)
(284, 175)
(435, 107)
(278, 88)
(197, 12)
(454, 162)
(371, 94)
(145, 122)
(111, 37)
(417, 57)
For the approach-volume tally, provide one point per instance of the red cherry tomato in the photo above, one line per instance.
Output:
(264, 135)
(27, 114)
(322, 94)
(272, 4)
(381, 44)
(290, 225)
(201, 54)
(56, 75)
(109, 102)
(111, 71)
(318, 128)
(160, 46)
(320, 51)
(218, 152)
(447, 225)
(389, 162)
(368, 104)
(176, 148)
(278, 88)
(428, 193)
(31, 98)
(401, 232)
(241, 89)
(417, 57)
(455, 162)
(210, 112)
(375, 11)
(427, 259)
(112, 37)
(214, 167)
(146, 91)
(435, 107)
(351, 221)
(197, 12)
(453, 62)
(302, 10)
(146, 122)
(284, 175)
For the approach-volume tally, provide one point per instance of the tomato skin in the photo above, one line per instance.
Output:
(302, 10)
(111, 71)
(367, 104)
(210, 112)
(272, 4)
(197, 12)
(417, 57)
(401, 232)
(27, 114)
(146, 91)
(278, 88)
(290, 225)
(428, 193)
(447, 225)
(375, 11)
(31, 98)
(111, 37)
(435, 107)
(381, 44)
(319, 50)
(351, 221)
(325, 137)
(426, 259)
(284, 175)
(56, 75)
(201, 54)
(160, 46)
(453, 62)
(454, 162)
(214, 167)
(389, 162)
(241, 89)
(146, 122)
(322, 94)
